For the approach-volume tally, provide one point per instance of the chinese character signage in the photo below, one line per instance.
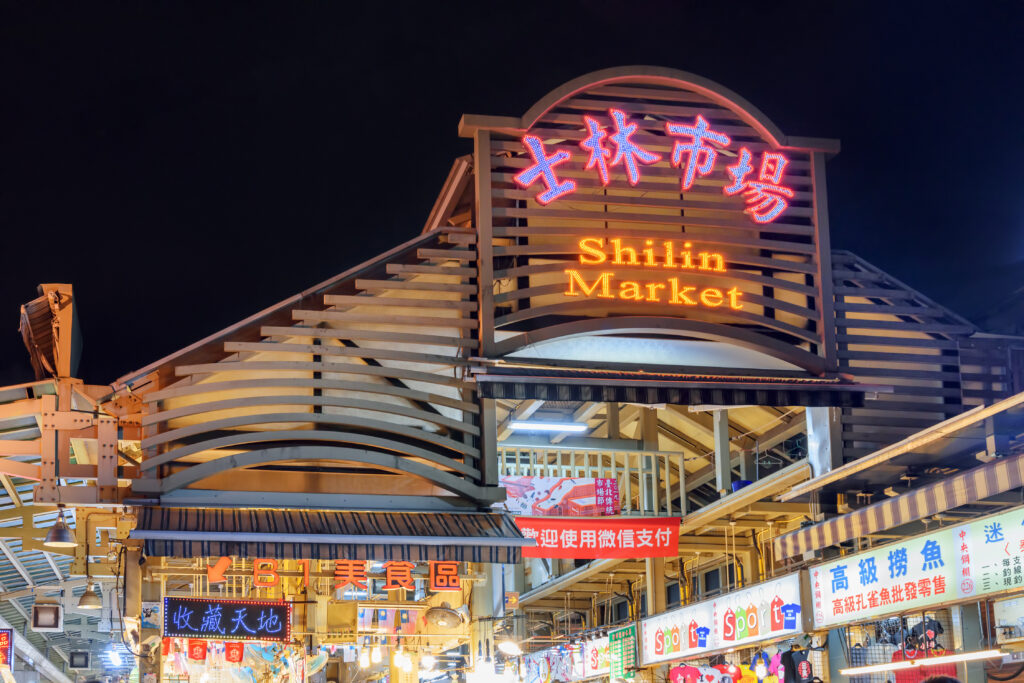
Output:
(568, 663)
(600, 538)
(611, 142)
(951, 564)
(622, 653)
(767, 611)
(560, 496)
(200, 618)
(6, 647)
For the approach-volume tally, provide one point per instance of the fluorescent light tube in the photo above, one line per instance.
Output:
(923, 661)
(528, 426)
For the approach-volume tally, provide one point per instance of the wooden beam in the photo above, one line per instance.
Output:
(581, 414)
(525, 410)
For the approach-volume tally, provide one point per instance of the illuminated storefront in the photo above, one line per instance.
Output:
(566, 416)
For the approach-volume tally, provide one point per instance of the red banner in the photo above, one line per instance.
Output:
(581, 539)
(233, 652)
(196, 649)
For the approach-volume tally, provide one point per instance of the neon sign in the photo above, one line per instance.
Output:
(596, 251)
(227, 619)
(694, 151)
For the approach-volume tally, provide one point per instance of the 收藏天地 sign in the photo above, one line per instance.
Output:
(202, 618)
(767, 611)
(577, 538)
(959, 562)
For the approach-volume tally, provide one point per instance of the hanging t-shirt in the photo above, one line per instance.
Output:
(803, 670)
(859, 657)
(775, 664)
(927, 631)
(691, 635)
(730, 670)
(702, 636)
(747, 675)
(789, 614)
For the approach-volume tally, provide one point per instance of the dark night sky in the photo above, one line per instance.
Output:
(186, 165)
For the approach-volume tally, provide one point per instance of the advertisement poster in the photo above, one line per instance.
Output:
(600, 538)
(569, 663)
(560, 496)
(767, 611)
(963, 561)
(622, 653)
(6, 647)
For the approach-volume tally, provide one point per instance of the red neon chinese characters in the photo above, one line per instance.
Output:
(700, 157)
(350, 572)
(544, 169)
(598, 152)
(444, 576)
(398, 575)
(766, 197)
(626, 151)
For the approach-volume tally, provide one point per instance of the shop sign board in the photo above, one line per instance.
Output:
(618, 537)
(767, 611)
(696, 144)
(622, 653)
(569, 663)
(6, 647)
(200, 618)
(560, 496)
(956, 563)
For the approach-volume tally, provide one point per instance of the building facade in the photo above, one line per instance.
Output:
(618, 386)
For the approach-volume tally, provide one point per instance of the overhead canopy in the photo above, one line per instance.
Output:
(548, 384)
(323, 535)
(960, 489)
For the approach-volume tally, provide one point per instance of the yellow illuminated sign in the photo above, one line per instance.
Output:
(596, 251)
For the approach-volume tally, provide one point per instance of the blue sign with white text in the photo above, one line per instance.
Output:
(227, 619)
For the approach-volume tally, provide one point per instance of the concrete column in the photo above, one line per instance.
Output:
(723, 465)
(973, 639)
(654, 568)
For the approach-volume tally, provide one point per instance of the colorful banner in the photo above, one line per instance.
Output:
(233, 652)
(197, 649)
(6, 647)
(568, 663)
(622, 653)
(956, 563)
(767, 611)
(621, 537)
(560, 496)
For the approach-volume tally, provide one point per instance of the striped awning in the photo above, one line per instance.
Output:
(959, 489)
(326, 535)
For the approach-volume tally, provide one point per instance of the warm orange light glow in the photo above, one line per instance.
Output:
(605, 285)
(264, 573)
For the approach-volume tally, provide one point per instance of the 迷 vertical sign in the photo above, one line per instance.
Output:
(622, 650)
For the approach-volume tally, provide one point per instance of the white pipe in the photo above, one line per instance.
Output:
(170, 535)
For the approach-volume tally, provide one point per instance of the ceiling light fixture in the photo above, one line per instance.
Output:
(59, 535)
(531, 426)
(923, 661)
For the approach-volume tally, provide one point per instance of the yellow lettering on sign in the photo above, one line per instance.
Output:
(671, 290)
(603, 280)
